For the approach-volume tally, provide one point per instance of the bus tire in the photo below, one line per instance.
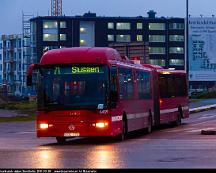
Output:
(60, 140)
(123, 135)
(149, 128)
(178, 120)
(179, 116)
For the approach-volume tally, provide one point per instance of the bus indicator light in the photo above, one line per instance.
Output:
(101, 124)
(165, 72)
(44, 126)
(161, 101)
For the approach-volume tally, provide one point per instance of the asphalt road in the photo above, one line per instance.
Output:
(166, 147)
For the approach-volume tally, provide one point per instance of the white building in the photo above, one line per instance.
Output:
(13, 64)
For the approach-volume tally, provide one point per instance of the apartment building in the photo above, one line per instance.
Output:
(13, 65)
(165, 36)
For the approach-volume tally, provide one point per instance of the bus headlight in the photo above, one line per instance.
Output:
(44, 126)
(101, 124)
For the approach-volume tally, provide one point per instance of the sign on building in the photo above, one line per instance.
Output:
(202, 49)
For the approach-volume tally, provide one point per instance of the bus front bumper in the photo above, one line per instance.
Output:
(102, 128)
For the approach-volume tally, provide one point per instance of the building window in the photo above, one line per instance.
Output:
(62, 37)
(19, 56)
(139, 38)
(156, 38)
(176, 26)
(63, 24)
(123, 38)
(50, 24)
(46, 48)
(0, 67)
(0, 57)
(123, 26)
(156, 50)
(19, 43)
(178, 38)
(176, 62)
(82, 30)
(0, 45)
(156, 26)
(50, 37)
(50, 31)
(110, 25)
(139, 26)
(110, 37)
(160, 62)
(82, 42)
(178, 50)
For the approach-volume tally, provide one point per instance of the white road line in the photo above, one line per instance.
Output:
(206, 117)
(24, 132)
(179, 130)
(196, 124)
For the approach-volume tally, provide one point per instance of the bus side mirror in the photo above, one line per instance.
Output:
(30, 72)
(29, 80)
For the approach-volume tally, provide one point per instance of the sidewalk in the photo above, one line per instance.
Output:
(199, 105)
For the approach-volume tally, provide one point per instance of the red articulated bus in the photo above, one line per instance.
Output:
(96, 92)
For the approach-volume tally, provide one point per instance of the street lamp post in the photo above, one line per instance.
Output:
(187, 40)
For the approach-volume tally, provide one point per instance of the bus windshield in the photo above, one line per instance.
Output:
(74, 87)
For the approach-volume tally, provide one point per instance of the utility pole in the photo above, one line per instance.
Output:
(56, 7)
(187, 39)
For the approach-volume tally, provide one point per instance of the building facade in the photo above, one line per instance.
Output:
(13, 65)
(165, 36)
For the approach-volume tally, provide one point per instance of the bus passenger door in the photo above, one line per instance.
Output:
(113, 87)
(156, 97)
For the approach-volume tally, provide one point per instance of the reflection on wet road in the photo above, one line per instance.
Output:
(166, 147)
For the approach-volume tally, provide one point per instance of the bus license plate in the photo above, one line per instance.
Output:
(71, 134)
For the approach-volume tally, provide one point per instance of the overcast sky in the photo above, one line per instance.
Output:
(11, 10)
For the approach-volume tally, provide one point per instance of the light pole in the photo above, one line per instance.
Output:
(187, 39)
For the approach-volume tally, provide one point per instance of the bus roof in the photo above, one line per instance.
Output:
(94, 55)
(168, 71)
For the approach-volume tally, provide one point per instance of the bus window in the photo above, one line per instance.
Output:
(75, 86)
(113, 84)
(172, 86)
(126, 83)
(143, 84)
(181, 86)
(163, 87)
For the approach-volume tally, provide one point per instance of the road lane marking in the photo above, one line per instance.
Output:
(24, 132)
(204, 117)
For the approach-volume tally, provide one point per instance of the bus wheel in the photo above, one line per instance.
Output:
(124, 130)
(178, 121)
(149, 128)
(60, 140)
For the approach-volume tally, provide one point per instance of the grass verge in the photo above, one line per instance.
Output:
(19, 105)
(18, 118)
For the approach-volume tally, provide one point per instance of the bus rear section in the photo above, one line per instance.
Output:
(173, 96)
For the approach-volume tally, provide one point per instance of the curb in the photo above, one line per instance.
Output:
(208, 132)
(202, 108)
